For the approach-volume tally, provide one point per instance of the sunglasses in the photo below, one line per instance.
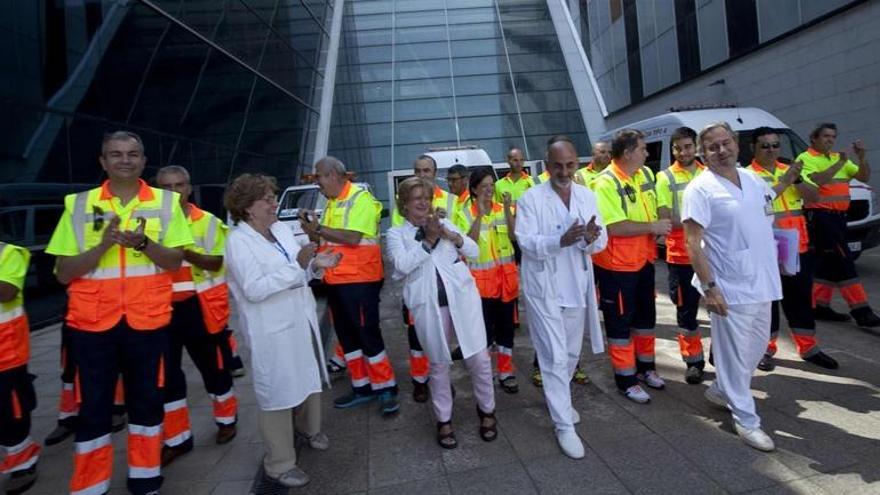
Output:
(768, 146)
(630, 193)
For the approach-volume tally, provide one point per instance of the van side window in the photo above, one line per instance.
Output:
(655, 156)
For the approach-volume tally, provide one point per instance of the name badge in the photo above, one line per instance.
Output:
(768, 205)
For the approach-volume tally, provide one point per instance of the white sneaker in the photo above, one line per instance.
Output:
(319, 441)
(294, 478)
(715, 397)
(570, 443)
(575, 417)
(755, 438)
(637, 394)
(652, 379)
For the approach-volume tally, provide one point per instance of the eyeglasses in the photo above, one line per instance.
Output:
(630, 193)
(768, 146)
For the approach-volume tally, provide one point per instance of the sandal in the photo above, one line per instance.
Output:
(509, 385)
(488, 433)
(446, 440)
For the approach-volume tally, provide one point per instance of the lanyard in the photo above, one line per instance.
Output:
(278, 247)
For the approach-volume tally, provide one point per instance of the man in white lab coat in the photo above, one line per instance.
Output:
(558, 227)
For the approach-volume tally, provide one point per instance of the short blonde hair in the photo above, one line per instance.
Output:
(405, 190)
(244, 191)
(711, 127)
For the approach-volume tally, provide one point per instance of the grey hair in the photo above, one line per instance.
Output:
(711, 127)
(335, 164)
(121, 136)
(173, 169)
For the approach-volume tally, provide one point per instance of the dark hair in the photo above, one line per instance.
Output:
(683, 133)
(426, 157)
(821, 127)
(762, 131)
(477, 176)
(122, 136)
(458, 169)
(244, 191)
(625, 140)
(559, 138)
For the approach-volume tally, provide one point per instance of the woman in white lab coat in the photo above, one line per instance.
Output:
(442, 297)
(269, 271)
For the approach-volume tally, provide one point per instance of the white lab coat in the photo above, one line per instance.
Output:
(538, 231)
(276, 315)
(418, 269)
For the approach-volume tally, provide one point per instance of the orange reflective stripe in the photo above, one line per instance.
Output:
(144, 451)
(160, 379)
(225, 407)
(16, 406)
(379, 370)
(357, 369)
(418, 366)
(14, 340)
(20, 457)
(219, 356)
(182, 283)
(644, 346)
(623, 359)
(620, 307)
(854, 294)
(505, 362)
(67, 406)
(834, 195)
(176, 427)
(119, 392)
(691, 346)
(92, 466)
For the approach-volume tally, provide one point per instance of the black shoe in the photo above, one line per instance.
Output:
(823, 360)
(21, 481)
(170, 454)
(388, 403)
(59, 434)
(509, 385)
(869, 320)
(456, 354)
(766, 363)
(693, 375)
(420, 392)
(825, 313)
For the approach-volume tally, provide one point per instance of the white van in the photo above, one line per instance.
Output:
(863, 226)
(306, 197)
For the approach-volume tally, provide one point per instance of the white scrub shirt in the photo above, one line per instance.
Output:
(737, 235)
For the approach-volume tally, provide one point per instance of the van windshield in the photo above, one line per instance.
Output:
(293, 200)
(791, 146)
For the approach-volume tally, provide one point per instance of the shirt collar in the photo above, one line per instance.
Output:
(195, 213)
(145, 192)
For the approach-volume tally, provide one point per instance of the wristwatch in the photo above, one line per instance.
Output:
(707, 286)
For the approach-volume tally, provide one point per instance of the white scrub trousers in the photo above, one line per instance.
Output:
(738, 343)
(558, 348)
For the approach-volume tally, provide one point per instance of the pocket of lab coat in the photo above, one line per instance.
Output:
(533, 276)
(736, 265)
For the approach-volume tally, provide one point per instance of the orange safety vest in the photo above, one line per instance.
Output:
(787, 207)
(494, 269)
(630, 254)
(833, 195)
(210, 287)
(676, 245)
(117, 288)
(14, 334)
(361, 262)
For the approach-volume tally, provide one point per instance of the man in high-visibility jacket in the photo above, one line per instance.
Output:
(831, 172)
(445, 203)
(350, 225)
(790, 189)
(116, 246)
(201, 312)
(670, 189)
(517, 181)
(18, 451)
(625, 269)
(542, 177)
(457, 178)
(601, 159)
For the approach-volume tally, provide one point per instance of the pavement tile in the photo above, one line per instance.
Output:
(863, 478)
(648, 464)
(509, 479)
(809, 449)
(232, 488)
(796, 487)
(529, 430)
(472, 451)
(238, 463)
(557, 474)
(404, 455)
(434, 486)
(343, 468)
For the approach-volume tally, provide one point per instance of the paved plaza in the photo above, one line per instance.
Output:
(826, 426)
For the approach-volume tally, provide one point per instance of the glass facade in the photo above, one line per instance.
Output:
(415, 74)
(219, 87)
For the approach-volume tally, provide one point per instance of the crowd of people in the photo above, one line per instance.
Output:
(149, 274)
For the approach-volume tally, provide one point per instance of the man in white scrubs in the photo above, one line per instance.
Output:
(728, 217)
(558, 227)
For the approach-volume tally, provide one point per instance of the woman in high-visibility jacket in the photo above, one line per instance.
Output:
(491, 226)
